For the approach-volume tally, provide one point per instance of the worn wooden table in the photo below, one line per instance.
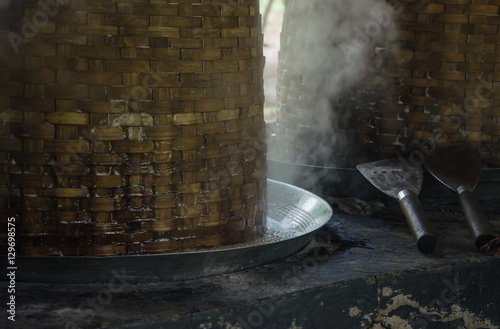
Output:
(358, 272)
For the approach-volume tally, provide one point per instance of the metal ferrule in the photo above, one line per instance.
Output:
(464, 188)
(403, 194)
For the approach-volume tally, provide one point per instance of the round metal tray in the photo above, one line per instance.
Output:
(293, 217)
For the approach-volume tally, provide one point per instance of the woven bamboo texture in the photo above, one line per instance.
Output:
(436, 81)
(132, 126)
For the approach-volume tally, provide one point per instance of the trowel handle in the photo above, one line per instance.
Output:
(477, 221)
(417, 220)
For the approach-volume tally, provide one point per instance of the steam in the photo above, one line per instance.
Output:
(327, 48)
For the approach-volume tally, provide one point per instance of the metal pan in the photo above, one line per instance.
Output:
(349, 183)
(294, 215)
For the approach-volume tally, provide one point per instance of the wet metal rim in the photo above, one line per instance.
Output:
(350, 183)
(293, 217)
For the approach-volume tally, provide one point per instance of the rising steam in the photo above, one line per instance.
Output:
(327, 47)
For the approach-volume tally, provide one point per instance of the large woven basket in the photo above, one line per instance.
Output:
(434, 81)
(131, 127)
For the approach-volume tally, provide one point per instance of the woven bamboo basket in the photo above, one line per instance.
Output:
(432, 74)
(131, 127)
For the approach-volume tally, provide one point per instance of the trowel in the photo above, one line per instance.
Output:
(401, 180)
(459, 167)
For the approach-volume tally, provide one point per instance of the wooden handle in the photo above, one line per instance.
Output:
(477, 221)
(417, 221)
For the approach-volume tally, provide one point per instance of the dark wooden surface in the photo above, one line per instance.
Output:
(358, 272)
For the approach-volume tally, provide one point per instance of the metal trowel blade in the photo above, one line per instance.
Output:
(455, 166)
(392, 176)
